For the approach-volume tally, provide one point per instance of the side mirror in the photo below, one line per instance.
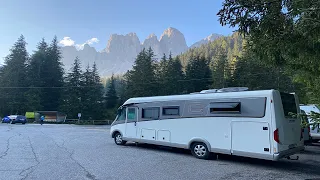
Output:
(119, 110)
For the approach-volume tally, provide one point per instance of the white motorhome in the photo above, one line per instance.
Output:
(246, 123)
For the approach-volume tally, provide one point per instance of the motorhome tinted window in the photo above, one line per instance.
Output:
(288, 103)
(150, 113)
(226, 107)
(170, 111)
(131, 114)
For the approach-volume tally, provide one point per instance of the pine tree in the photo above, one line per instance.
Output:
(141, 80)
(96, 94)
(284, 34)
(252, 73)
(52, 76)
(35, 77)
(111, 99)
(177, 76)
(86, 98)
(220, 69)
(91, 94)
(13, 76)
(72, 102)
(172, 77)
(161, 75)
(197, 75)
(231, 45)
(2, 99)
(120, 85)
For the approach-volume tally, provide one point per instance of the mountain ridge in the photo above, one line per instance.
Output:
(121, 50)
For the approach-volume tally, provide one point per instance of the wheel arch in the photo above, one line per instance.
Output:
(193, 140)
(116, 131)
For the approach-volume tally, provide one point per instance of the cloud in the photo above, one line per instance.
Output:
(67, 41)
(90, 41)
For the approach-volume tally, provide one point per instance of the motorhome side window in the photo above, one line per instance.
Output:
(288, 103)
(150, 113)
(225, 107)
(170, 111)
(131, 116)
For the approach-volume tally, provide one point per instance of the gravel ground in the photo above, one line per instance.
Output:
(35, 152)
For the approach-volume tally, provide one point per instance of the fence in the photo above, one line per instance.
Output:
(88, 122)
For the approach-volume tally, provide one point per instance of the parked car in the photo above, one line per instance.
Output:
(6, 120)
(314, 133)
(12, 117)
(306, 132)
(19, 119)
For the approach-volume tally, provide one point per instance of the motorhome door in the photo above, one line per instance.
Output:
(131, 122)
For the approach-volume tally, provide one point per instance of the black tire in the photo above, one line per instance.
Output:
(315, 140)
(200, 150)
(118, 139)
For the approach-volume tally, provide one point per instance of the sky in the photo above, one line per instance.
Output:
(77, 22)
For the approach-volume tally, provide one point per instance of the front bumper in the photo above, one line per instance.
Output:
(315, 136)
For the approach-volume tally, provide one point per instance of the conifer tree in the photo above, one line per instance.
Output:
(72, 95)
(141, 80)
(35, 77)
(13, 76)
(52, 77)
(198, 75)
(111, 99)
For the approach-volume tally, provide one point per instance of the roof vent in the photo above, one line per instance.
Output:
(233, 89)
(230, 89)
(209, 91)
(195, 93)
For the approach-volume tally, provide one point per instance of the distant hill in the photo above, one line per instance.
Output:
(231, 45)
(206, 40)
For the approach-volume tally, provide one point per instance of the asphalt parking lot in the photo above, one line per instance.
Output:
(35, 152)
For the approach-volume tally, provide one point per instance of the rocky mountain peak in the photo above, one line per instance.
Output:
(170, 32)
(152, 41)
(88, 47)
(132, 34)
(213, 37)
(119, 43)
(152, 36)
(121, 50)
(206, 40)
(172, 40)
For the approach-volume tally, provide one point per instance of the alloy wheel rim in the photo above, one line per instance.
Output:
(118, 139)
(200, 150)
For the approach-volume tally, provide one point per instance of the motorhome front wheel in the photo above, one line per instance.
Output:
(118, 139)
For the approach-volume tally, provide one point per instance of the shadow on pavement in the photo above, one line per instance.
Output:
(301, 166)
(296, 166)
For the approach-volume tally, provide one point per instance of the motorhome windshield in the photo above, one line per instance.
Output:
(121, 115)
(288, 103)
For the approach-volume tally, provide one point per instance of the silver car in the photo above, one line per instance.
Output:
(314, 133)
